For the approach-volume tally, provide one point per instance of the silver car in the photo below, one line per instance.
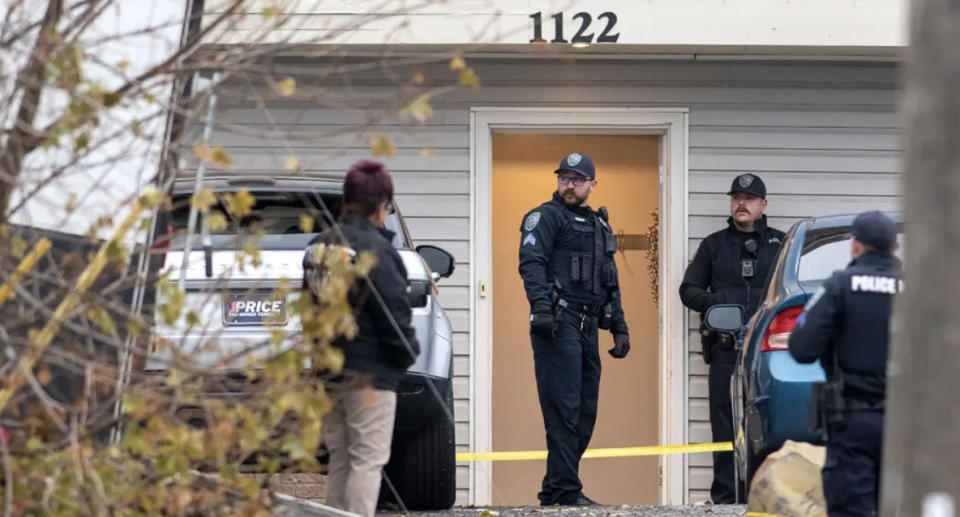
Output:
(234, 304)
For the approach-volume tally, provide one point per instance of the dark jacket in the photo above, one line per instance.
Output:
(850, 315)
(377, 349)
(573, 247)
(715, 276)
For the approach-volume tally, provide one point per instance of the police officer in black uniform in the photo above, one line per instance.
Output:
(846, 325)
(568, 271)
(731, 267)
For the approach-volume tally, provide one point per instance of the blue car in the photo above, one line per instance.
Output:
(769, 390)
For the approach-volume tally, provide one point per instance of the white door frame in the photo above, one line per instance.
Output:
(672, 125)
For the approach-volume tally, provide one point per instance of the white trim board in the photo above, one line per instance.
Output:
(672, 125)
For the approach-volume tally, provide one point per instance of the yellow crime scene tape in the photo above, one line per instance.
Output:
(616, 452)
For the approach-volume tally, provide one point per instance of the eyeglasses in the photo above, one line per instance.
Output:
(576, 181)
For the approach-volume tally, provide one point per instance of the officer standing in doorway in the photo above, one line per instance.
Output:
(730, 267)
(568, 271)
(846, 324)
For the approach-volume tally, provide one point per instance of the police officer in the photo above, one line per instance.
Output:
(846, 325)
(730, 267)
(568, 271)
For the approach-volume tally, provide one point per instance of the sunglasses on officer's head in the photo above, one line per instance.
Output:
(575, 180)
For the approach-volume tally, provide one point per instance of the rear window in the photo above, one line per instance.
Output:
(827, 250)
(279, 213)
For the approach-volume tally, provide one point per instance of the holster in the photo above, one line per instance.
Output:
(827, 407)
(707, 339)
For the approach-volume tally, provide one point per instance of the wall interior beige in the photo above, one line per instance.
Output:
(627, 174)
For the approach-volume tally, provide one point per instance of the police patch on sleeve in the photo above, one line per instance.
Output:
(530, 239)
(531, 221)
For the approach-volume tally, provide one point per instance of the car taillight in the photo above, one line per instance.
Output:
(779, 330)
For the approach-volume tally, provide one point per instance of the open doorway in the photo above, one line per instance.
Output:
(630, 389)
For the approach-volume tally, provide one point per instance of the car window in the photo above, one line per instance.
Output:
(826, 251)
(279, 213)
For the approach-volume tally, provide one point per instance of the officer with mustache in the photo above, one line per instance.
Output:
(730, 267)
(568, 270)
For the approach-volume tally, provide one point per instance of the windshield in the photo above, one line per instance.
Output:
(276, 213)
(827, 250)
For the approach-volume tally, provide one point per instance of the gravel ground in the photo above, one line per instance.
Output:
(599, 511)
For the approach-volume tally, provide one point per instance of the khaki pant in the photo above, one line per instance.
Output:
(357, 432)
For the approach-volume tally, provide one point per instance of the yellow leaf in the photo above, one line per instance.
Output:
(428, 152)
(292, 163)
(217, 222)
(288, 86)
(268, 12)
(200, 150)
(239, 204)
(220, 156)
(469, 78)
(203, 200)
(457, 63)
(123, 65)
(417, 79)
(381, 146)
(306, 223)
(44, 377)
(102, 319)
(18, 246)
(419, 108)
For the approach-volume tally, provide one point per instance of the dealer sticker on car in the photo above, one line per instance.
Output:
(254, 309)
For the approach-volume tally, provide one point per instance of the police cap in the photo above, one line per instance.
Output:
(876, 230)
(579, 163)
(749, 183)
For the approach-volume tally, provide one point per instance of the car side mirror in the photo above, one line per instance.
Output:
(439, 260)
(724, 318)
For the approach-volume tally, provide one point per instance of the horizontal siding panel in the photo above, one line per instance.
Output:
(455, 298)
(461, 390)
(703, 459)
(836, 117)
(699, 410)
(808, 183)
(434, 205)
(813, 138)
(307, 113)
(461, 366)
(463, 476)
(699, 495)
(461, 343)
(451, 228)
(431, 182)
(762, 160)
(339, 160)
(459, 320)
(299, 136)
(698, 387)
(461, 412)
(461, 432)
(700, 432)
(459, 278)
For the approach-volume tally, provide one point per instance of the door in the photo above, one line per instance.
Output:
(627, 184)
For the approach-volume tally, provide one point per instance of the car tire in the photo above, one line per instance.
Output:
(423, 468)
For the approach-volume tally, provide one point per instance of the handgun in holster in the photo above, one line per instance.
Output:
(827, 406)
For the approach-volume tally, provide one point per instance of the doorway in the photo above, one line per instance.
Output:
(628, 185)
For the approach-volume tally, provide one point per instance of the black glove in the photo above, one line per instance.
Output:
(541, 323)
(621, 345)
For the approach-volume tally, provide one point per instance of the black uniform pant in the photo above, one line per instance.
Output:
(567, 368)
(851, 474)
(722, 365)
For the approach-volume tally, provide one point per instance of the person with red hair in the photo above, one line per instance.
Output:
(358, 429)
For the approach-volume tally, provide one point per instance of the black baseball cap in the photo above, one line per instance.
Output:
(750, 183)
(875, 229)
(579, 163)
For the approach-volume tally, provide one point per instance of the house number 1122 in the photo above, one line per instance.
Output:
(581, 36)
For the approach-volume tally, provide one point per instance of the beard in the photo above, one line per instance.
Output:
(571, 198)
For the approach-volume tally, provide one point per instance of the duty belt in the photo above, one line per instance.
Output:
(862, 405)
(580, 308)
